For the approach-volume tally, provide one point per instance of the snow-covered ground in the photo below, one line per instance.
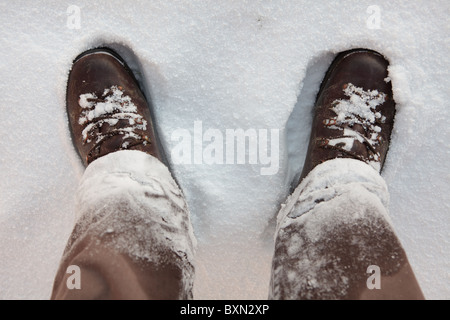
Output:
(225, 65)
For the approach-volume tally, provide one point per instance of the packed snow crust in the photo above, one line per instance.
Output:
(229, 64)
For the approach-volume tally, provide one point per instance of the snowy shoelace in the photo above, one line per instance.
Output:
(358, 109)
(113, 106)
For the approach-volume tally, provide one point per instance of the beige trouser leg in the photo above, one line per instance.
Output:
(133, 238)
(334, 239)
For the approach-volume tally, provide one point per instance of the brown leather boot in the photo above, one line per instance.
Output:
(107, 110)
(354, 111)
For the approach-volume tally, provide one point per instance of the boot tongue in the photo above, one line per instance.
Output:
(111, 143)
(116, 142)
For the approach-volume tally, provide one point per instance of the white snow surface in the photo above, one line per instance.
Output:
(230, 64)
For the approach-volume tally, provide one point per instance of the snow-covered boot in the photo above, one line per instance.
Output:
(354, 111)
(107, 110)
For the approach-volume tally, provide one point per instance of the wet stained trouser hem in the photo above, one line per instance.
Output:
(133, 238)
(334, 239)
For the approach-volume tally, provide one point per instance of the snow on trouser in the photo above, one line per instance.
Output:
(334, 239)
(133, 238)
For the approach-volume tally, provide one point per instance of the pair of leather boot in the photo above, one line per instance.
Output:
(354, 109)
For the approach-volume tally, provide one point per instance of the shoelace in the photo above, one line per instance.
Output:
(358, 109)
(111, 108)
